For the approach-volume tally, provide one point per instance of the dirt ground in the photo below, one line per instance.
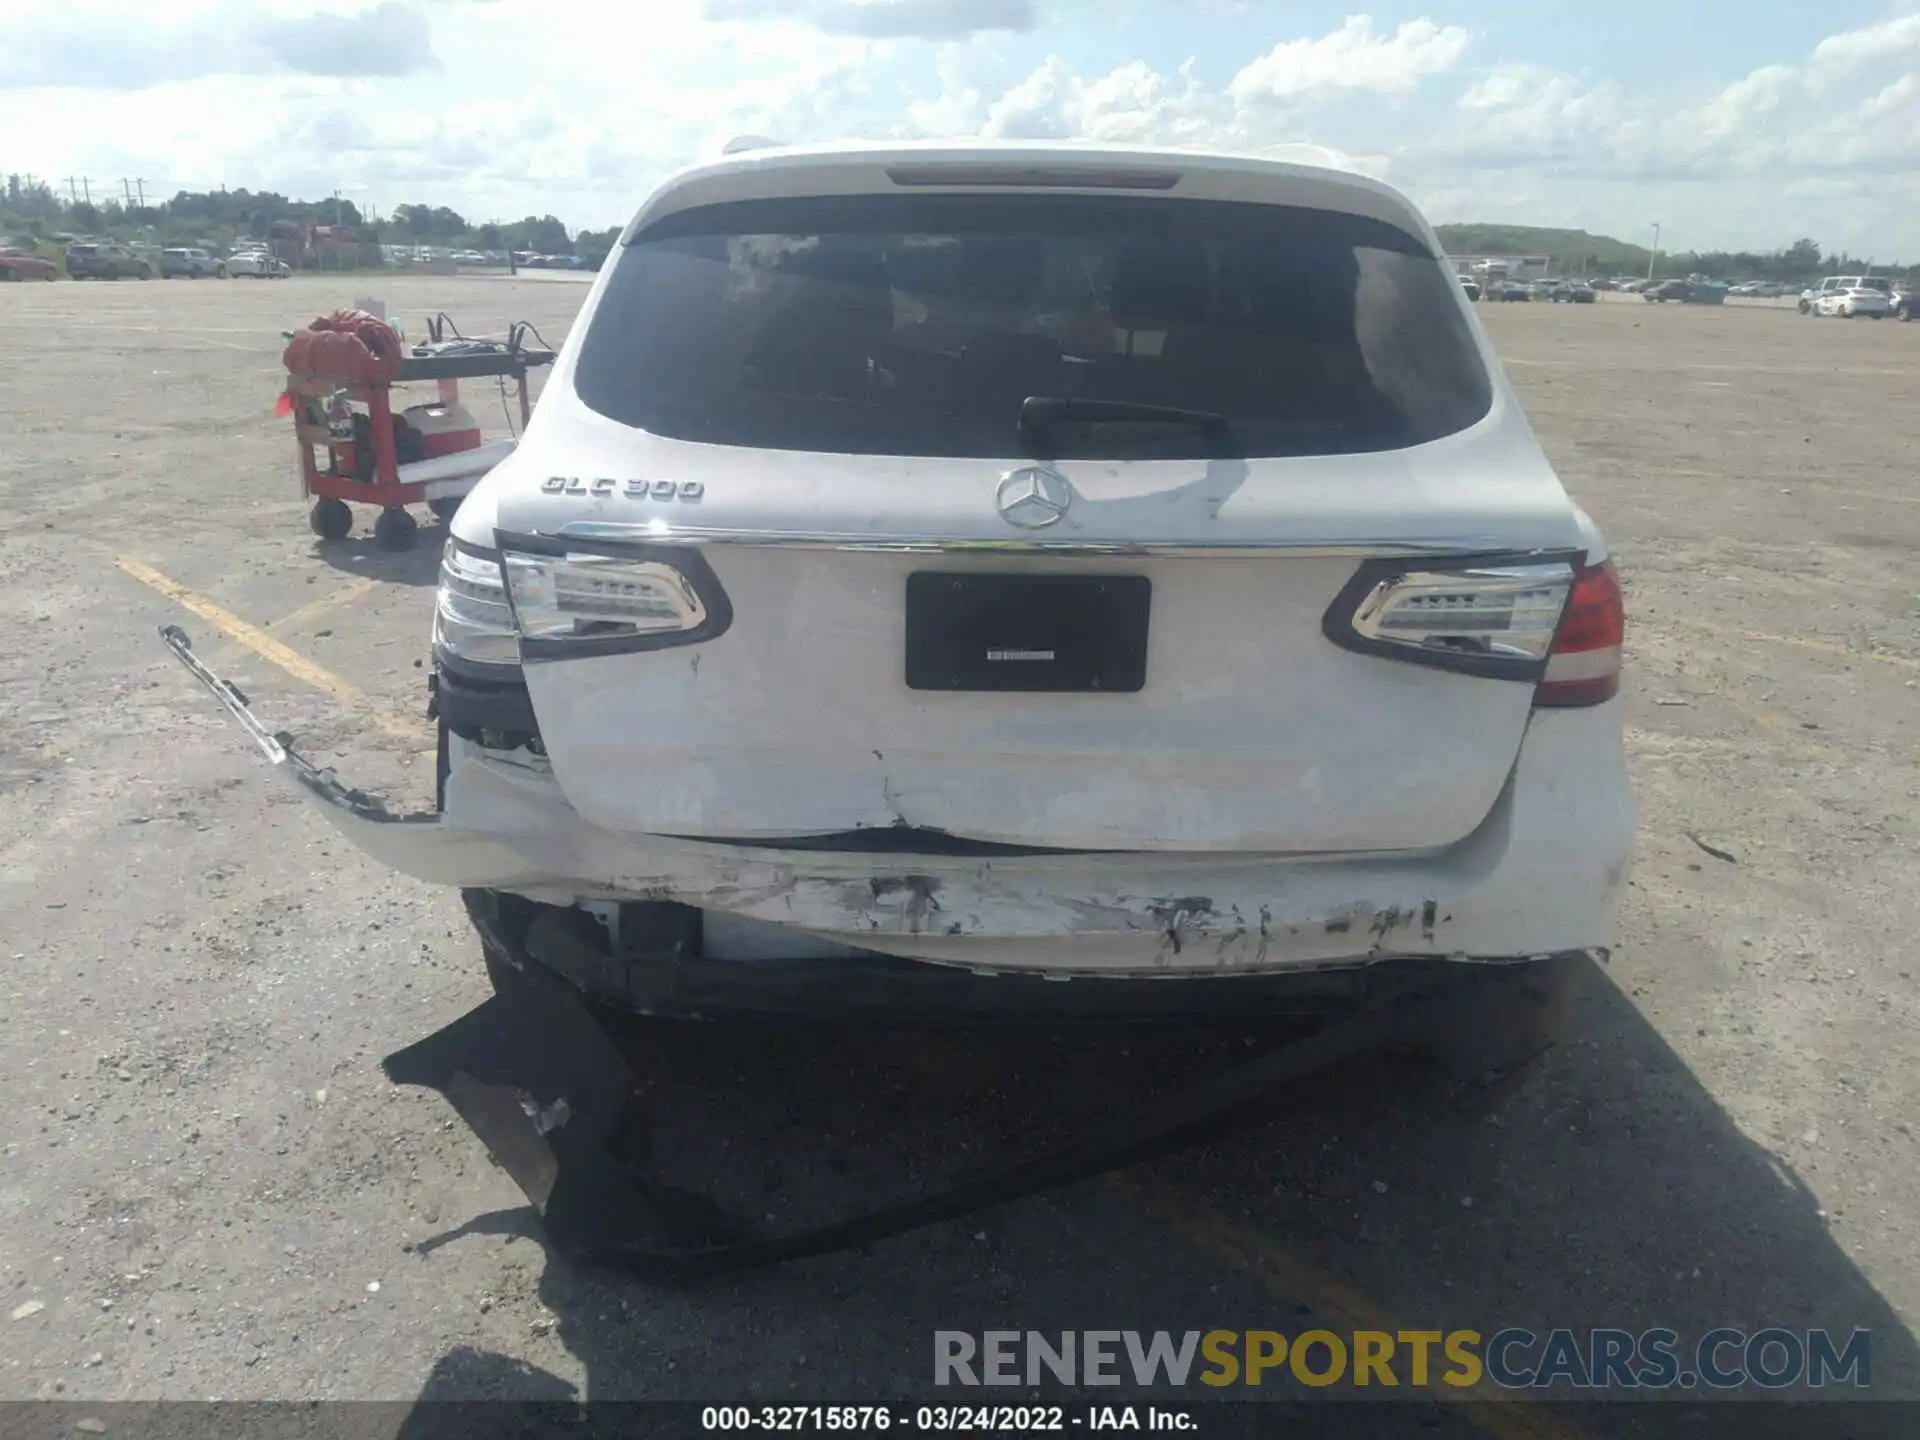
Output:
(207, 1189)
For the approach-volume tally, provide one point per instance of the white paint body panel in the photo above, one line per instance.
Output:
(1253, 732)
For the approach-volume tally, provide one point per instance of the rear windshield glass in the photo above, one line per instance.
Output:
(919, 324)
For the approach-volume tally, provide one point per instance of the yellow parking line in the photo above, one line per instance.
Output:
(314, 609)
(1294, 1280)
(272, 650)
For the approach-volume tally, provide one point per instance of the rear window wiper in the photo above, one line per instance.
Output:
(1040, 413)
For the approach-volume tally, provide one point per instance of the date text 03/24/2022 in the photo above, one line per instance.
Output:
(939, 1419)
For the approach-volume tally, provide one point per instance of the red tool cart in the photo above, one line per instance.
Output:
(428, 453)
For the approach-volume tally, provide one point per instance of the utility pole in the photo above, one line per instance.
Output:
(86, 189)
(73, 191)
(1655, 255)
(126, 188)
(141, 186)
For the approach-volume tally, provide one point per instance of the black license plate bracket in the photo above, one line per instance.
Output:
(1059, 634)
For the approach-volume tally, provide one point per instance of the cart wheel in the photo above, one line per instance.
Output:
(331, 519)
(445, 507)
(395, 529)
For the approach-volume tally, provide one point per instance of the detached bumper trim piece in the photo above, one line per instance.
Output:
(278, 748)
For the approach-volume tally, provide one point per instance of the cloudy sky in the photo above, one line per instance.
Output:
(1730, 124)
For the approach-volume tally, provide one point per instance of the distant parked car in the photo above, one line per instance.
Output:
(1469, 288)
(105, 261)
(1905, 302)
(1511, 290)
(190, 262)
(1810, 297)
(22, 264)
(1852, 300)
(1574, 292)
(1601, 282)
(256, 265)
(1691, 291)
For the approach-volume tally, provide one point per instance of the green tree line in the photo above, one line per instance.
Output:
(31, 209)
(1577, 252)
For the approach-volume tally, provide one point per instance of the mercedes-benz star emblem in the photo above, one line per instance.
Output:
(1033, 497)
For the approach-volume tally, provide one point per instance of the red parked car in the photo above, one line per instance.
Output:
(24, 265)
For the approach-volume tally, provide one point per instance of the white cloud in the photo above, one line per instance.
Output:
(1890, 40)
(70, 47)
(1747, 100)
(881, 19)
(525, 105)
(1354, 57)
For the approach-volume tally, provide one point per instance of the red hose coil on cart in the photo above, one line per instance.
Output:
(347, 345)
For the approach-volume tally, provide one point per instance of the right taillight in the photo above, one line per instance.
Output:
(1583, 665)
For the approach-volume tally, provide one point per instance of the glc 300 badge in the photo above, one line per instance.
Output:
(603, 488)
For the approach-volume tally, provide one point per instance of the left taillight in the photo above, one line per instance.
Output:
(575, 599)
(471, 618)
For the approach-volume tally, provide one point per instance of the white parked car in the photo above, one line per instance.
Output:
(256, 265)
(1851, 300)
(191, 262)
(1044, 563)
(1811, 297)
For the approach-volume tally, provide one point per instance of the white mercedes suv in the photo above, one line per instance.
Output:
(961, 568)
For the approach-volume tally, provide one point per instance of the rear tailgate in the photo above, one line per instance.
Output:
(1250, 732)
(797, 423)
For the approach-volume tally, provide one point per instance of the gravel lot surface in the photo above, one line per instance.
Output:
(207, 1189)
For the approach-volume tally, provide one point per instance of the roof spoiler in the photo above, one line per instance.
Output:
(1048, 177)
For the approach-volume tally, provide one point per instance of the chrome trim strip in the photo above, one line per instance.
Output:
(659, 532)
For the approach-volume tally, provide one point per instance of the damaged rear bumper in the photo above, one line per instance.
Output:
(1541, 875)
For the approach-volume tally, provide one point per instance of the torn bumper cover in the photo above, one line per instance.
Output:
(1540, 875)
(554, 1101)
